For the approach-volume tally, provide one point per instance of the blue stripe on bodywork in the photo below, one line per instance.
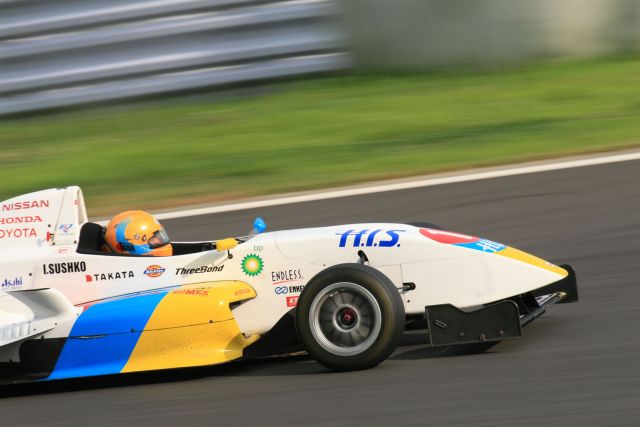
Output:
(104, 336)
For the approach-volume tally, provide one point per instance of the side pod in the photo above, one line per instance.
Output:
(173, 328)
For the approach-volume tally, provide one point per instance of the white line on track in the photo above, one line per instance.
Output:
(428, 181)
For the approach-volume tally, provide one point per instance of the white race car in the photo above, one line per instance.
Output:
(344, 294)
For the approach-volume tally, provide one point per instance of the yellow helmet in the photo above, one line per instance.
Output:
(137, 233)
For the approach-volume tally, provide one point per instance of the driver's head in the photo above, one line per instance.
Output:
(136, 233)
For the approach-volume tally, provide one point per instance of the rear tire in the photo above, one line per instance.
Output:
(350, 317)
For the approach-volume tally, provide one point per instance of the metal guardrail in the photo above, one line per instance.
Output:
(64, 53)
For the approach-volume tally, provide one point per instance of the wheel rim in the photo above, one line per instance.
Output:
(345, 319)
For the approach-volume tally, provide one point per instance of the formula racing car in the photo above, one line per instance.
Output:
(344, 294)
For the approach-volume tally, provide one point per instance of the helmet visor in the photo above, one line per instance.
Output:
(159, 238)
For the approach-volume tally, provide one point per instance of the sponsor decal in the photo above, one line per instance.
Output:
(27, 204)
(370, 238)
(20, 219)
(180, 271)
(100, 277)
(195, 292)
(252, 265)
(292, 301)
(17, 233)
(463, 240)
(258, 248)
(283, 276)
(65, 228)
(484, 245)
(296, 289)
(126, 247)
(154, 271)
(283, 290)
(241, 291)
(64, 267)
(63, 250)
(11, 283)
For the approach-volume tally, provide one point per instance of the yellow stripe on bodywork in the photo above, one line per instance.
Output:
(513, 253)
(192, 326)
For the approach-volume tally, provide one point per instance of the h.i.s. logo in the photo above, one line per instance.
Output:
(370, 238)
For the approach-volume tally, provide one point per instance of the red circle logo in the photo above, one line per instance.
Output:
(447, 236)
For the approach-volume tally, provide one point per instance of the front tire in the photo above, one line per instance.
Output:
(350, 317)
(420, 224)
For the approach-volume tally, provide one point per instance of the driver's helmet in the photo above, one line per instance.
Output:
(136, 233)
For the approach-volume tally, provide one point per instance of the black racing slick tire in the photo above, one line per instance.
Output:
(426, 225)
(350, 317)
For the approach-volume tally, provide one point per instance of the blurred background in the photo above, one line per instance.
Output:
(161, 103)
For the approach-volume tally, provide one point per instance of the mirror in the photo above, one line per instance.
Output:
(226, 244)
(258, 226)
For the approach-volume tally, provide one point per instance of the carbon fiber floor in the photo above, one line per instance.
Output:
(577, 365)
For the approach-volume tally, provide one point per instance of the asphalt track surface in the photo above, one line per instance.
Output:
(577, 365)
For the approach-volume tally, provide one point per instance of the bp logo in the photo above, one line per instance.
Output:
(252, 265)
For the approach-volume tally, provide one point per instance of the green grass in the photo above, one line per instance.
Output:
(321, 133)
